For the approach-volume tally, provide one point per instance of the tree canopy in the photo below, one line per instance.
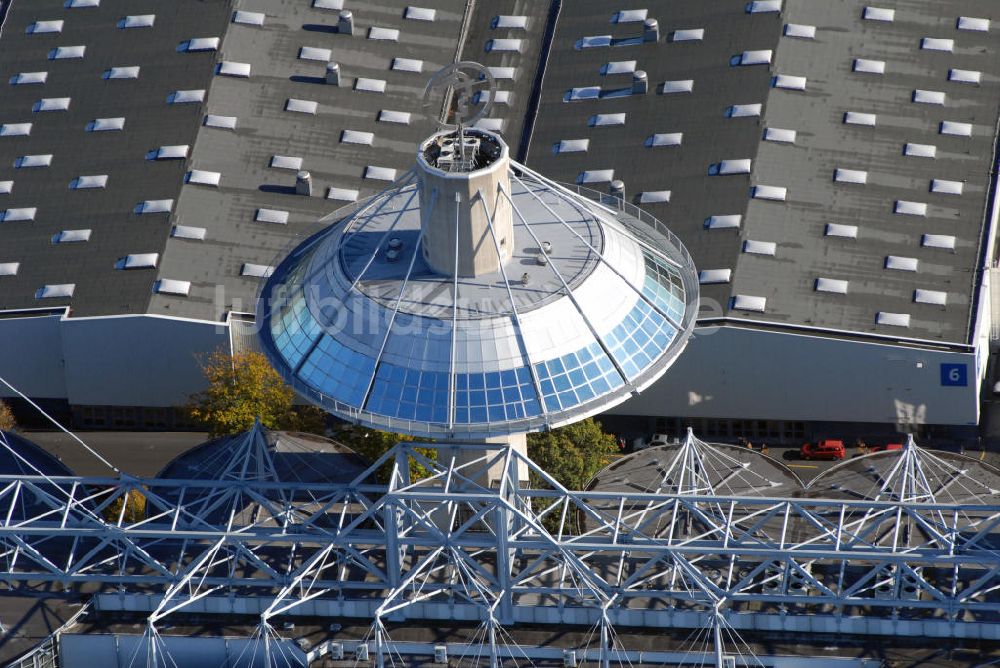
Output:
(573, 454)
(243, 387)
(7, 422)
(372, 444)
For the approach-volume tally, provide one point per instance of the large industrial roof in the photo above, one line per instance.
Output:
(831, 224)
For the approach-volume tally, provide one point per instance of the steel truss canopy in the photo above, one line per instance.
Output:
(590, 302)
(447, 547)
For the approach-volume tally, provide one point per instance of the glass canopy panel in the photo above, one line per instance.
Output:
(576, 377)
(664, 287)
(294, 331)
(409, 394)
(495, 396)
(337, 371)
(640, 338)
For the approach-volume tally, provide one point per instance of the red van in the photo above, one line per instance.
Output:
(825, 449)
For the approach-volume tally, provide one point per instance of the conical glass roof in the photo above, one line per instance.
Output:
(592, 303)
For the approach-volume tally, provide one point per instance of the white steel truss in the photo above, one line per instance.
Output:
(449, 547)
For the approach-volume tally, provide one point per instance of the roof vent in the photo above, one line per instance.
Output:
(345, 23)
(650, 30)
(392, 255)
(547, 247)
(541, 259)
(303, 184)
(617, 189)
(395, 244)
(640, 82)
(525, 278)
(333, 74)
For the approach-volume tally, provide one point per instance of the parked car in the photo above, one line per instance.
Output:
(826, 449)
(885, 448)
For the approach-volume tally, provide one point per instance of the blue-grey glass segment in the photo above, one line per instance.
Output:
(576, 377)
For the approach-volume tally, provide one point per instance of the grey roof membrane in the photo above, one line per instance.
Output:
(229, 213)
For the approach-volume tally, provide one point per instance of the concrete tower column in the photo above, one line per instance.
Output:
(467, 183)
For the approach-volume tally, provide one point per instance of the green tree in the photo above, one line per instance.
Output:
(572, 454)
(372, 444)
(7, 422)
(244, 387)
(134, 503)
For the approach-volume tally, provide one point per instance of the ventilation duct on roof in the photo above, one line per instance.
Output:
(345, 23)
(640, 82)
(651, 30)
(303, 184)
(333, 74)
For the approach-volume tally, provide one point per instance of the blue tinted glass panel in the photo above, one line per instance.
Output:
(337, 371)
(294, 331)
(495, 396)
(641, 337)
(577, 377)
(664, 287)
(409, 394)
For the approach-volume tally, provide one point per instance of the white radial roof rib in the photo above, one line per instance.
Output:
(478, 360)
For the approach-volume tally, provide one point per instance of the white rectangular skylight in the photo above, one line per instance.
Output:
(910, 208)
(724, 221)
(758, 57)
(357, 137)
(188, 232)
(78, 4)
(43, 27)
(483, 96)
(491, 124)
(174, 152)
(572, 146)
(869, 66)
(955, 128)
(602, 120)
(839, 230)
(286, 162)
(420, 14)
(762, 6)
(780, 135)
(972, 23)
(739, 166)
(369, 85)
(271, 216)
(945, 241)
(24, 78)
(893, 319)
(595, 176)
(688, 35)
(583, 93)
(389, 116)
(224, 122)
(800, 30)
(710, 276)
(138, 21)
(19, 215)
(128, 72)
(155, 206)
(335, 5)
(833, 285)
(170, 286)
(141, 261)
(249, 18)
(509, 22)
(6, 187)
(934, 297)
(502, 73)
(342, 194)
(900, 263)
(56, 291)
(301, 106)
(503, 45)
(654, 197)
(749, 303)
(937, 44)
(776, 193)
(52, 104)
(67, 52)
(9, 268)
(106, 124)
(618, 67)
(202, 44)
(947, 187)
(380, 173)
(760, 247)
(15, 129)
(744, 110)
(666, 139)
(928, 96)
(229, 68)
(203, 177)
(965, 76)
(680, 86)
(387, 34)
(920, 150)
(89, 182)
(789, 82)
(186, 96)
(850, 176)
(71, 237)
(859, 118)
(629, 16)
(27, 161)
(407, 65)
(879, 14)
(315, 53)
(256, 270)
